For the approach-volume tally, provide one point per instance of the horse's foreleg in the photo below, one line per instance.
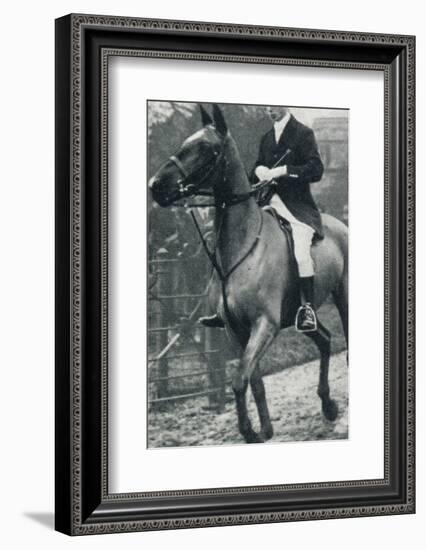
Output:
(258, 389)
(262, 334)
(244, 424)
(322, 339)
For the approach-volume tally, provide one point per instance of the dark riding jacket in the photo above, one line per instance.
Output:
(304, 166)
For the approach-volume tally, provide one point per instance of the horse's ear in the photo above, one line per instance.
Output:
(206, 119)
(219, 120)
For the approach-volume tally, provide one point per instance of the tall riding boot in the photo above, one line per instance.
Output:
(306, 319)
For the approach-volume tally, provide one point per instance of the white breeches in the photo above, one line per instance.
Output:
(302, 236)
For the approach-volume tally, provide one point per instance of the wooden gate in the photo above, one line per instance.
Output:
(185, 359)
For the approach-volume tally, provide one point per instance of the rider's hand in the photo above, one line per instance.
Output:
(262, 172)
(277, 172)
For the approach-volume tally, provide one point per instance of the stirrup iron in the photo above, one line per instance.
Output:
(302, 309)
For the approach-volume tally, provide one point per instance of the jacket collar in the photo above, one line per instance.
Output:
(280, 125)
(288, 133)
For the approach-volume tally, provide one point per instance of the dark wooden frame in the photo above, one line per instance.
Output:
(83, 45)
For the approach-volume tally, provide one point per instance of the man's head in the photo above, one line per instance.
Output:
(276, 113)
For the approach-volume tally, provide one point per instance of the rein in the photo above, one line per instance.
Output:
(231, 200)
(187, 189)
(212, 255)
(225, 276)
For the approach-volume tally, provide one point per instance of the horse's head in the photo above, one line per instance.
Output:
(198, 164)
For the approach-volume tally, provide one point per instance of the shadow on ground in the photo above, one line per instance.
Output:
(47, 519)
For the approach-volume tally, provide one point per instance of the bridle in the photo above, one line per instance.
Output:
(187, 189)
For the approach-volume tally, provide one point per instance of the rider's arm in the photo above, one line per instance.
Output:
(309, 167)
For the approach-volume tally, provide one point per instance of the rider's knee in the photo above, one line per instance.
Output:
(302, 250)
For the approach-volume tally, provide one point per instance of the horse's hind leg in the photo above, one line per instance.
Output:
(322, 339)
(262, 334)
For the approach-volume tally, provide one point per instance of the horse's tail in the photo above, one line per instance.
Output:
(341, 293)
(339, 233)
(342, 239)
(342, 300)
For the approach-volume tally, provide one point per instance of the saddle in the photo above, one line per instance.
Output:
(285, 227)
(291, 305)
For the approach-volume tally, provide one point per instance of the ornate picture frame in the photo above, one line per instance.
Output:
(84, 45)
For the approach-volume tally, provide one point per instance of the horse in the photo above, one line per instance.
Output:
(260, 288)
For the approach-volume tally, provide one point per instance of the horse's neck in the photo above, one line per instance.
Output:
(238, 224)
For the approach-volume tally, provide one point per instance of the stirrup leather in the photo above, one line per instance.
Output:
(306, 313)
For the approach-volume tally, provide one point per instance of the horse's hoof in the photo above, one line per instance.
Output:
(253, 437)
(267, 434)
(330, 410)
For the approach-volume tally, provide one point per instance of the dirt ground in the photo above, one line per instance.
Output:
(293, 404)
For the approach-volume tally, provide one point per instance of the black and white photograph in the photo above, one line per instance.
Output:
(248, 263)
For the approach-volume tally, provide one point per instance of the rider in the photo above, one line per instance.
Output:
(289, 158)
